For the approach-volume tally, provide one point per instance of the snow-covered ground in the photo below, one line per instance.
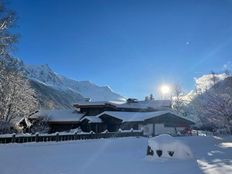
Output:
(114, 156)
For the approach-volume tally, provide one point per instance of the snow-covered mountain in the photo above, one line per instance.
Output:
(43, 74)
(59, 91)
(205, 82)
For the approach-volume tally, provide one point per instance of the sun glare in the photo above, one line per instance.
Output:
(165, 89)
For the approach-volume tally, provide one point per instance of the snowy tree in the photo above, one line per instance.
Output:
(227, 72)
(213, 105)
(179, 100)
(210, 104)
(215, 109)
(17, 98)
(7, 21)
(214, 77)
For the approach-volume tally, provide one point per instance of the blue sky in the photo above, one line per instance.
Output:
(131, 45)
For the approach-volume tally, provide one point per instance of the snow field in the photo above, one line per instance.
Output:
(114, 156)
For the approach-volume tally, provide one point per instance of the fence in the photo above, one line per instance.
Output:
(14, 138)
(202, 133)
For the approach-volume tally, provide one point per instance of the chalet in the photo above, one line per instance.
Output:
(152, 123)
(153, 117)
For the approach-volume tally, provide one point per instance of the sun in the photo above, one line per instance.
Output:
(165, 89)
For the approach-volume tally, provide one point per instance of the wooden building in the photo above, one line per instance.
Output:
(153, 117)
(92, 123)
(152, 123)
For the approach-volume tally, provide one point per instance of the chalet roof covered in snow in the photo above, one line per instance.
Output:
(132, 116)
(145, 104)
(155, 104)
(87, 103)
(64, 115)
(92, 119)
(138, 116)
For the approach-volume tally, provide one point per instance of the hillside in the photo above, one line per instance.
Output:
(50, 97)
(57, 91)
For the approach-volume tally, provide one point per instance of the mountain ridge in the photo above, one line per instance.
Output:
(44, 79)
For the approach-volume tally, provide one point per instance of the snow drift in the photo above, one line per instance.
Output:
(166, 146)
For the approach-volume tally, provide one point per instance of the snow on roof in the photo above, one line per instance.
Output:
(145, 104)
(138, 104)
(133, 116)
(92, 119)
(86, 103)
(138, 116)
(64, 115)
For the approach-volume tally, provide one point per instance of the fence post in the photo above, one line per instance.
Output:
(57, 136)
(75, 135)
(92, 136)
(37, 137)
(13, 138)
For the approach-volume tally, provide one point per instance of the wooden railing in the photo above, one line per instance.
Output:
(14, 138)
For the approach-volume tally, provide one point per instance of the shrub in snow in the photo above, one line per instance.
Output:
(92, 132)
(76, 130)
(166, 146)
(105, 131)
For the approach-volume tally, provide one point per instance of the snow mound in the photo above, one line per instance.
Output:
(166, 146)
